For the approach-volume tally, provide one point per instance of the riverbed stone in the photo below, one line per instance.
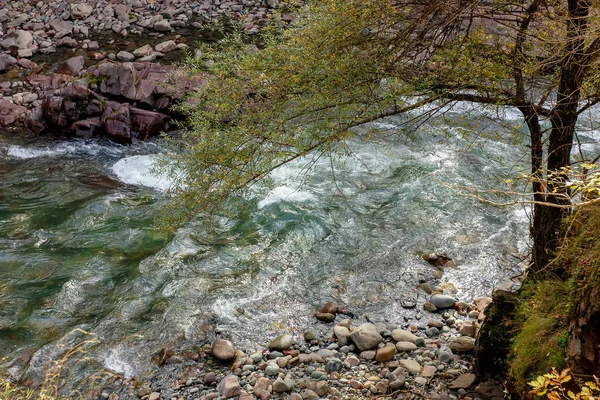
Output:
(281, 342)
(223, 350)
(366, 337)
(442, 301)
(162, 26)
(329, 307)
(143, 51)
(462, 344)
(81, 10)
(6, 62)
(229, 386)
(385, 353)
(411, 365)
(166, 47)
(463, 382)
(400, 335)
(125, 56)
(73, 66)
(406, 346)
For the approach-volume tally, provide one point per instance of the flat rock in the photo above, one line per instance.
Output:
(463, 382)
(462, 344)
(411, 365)
(400, 335)
(385, 353)
(406, 346)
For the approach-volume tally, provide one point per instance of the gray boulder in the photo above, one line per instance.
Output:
(366, 337)
(442, 301)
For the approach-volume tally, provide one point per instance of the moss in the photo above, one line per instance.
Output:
(540, 343)
(547, 306)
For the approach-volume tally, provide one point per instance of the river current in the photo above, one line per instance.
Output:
(78, 247)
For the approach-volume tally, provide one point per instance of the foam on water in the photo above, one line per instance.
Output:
(139, 170)
(285, 193)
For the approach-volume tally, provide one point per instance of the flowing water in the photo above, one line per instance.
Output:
(78, 247)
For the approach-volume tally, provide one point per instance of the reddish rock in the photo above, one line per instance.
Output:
(11, 113)
(148, 123)
(116, 122)
(229, 386)
(330, 308)
(73, 66)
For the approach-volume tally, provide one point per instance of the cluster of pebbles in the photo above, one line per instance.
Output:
(356, 360)
(30, 27)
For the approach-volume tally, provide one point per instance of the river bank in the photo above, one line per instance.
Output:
(79, 251)
(353, 360)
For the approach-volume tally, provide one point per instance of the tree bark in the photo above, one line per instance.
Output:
(547, 220)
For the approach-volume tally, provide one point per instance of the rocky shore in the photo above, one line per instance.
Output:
(357, 357)
(112, 77)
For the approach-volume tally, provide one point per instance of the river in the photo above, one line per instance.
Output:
(78, 246)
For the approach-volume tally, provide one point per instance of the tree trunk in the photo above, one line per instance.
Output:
(547, 219)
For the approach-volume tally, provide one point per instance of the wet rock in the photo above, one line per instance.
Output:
(428, 306)
(223, 350)
(73, 66)
(366, 337)
(341, 332)
(442, 301)
(408, 303)
(27, 64)
(329, 308)
(325, 317)
(437, 260)
(229, 386)
(281, 342)
(86, 128)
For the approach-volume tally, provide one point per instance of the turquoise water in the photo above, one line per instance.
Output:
(78, 247)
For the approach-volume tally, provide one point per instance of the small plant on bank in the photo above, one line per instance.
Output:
(558, 386)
